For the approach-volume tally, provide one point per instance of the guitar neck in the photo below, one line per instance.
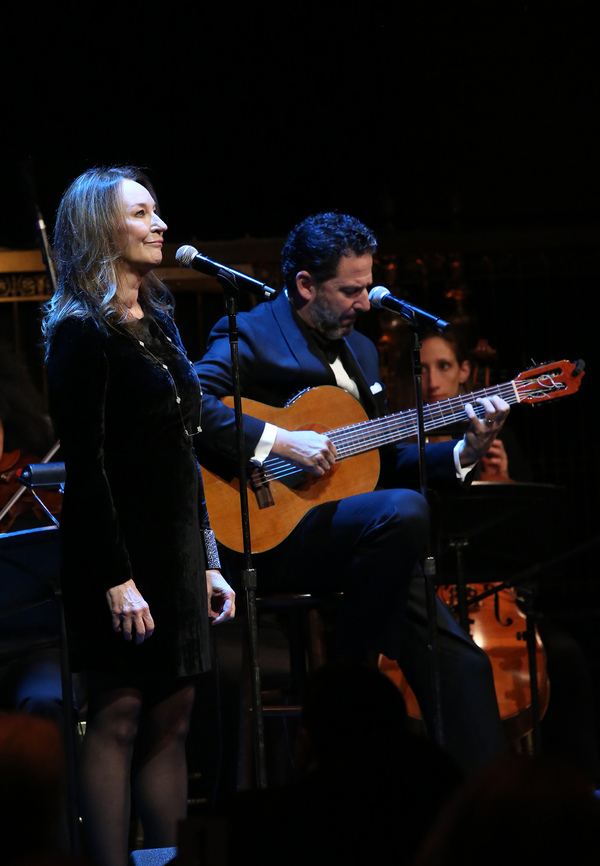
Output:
(368, 435)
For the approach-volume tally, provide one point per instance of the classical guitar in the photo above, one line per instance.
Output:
(280, 494)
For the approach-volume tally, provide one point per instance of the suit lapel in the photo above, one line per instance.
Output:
(308, 362)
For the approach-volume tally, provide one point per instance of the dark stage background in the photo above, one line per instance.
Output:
(465, 135)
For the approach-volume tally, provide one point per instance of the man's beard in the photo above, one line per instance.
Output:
(327, 322)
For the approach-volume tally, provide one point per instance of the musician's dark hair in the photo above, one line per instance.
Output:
(454, 338)
(318, 243)
(88, 250)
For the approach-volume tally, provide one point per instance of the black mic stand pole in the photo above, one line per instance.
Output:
(40, 225)
(45, 248)
(249, 581)
(69, 710)
(65, 668)
(429, 566)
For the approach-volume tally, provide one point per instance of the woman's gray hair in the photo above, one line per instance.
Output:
(87, 251)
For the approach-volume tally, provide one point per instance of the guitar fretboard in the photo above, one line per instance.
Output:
(369, 435)
(358, 438)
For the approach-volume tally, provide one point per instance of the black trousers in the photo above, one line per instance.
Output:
(370, 547)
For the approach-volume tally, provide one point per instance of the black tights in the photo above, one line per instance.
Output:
(134, 746)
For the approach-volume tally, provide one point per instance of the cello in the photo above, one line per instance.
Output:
(497, 625)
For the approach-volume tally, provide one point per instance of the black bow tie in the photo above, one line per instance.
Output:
(332, 349)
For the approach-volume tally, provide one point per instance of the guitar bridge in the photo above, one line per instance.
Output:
(259, 484)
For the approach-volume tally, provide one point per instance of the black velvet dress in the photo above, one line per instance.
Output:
(133, 504)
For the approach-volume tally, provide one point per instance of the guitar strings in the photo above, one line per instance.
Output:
(368, 435)
(371, 434)
(435, 415)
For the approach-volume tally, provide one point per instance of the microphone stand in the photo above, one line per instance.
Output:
(65, 668)
(418, 320)
(68, 707)
(228, 282)
(40, 225)
(429, 565)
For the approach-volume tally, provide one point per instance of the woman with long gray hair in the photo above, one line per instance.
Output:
(140, 569)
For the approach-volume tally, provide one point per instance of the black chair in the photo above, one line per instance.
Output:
(305, 619)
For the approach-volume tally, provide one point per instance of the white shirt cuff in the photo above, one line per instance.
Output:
(461, 471)
(264, 445)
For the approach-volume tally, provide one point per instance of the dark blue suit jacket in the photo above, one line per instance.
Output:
(276, 364)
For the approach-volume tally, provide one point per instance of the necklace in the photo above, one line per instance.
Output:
(165, 367)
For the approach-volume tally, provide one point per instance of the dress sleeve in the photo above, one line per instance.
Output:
(78, 374)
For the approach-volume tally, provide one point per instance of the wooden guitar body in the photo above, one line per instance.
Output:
(282, 503)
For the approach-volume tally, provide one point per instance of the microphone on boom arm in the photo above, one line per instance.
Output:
(382, 298)
(189, 257)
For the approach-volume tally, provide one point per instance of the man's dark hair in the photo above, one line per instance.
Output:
(318, 243)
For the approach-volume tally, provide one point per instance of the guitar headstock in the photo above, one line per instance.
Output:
(556, 379)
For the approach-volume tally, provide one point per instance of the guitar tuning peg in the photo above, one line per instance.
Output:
(579, 368)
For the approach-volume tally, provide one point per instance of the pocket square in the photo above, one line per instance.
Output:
(376, 388)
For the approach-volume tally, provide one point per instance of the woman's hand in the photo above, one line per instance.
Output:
(130, 612)
(221, 597)
(495, 462)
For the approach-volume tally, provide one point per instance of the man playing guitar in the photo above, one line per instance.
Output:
(367, 544)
